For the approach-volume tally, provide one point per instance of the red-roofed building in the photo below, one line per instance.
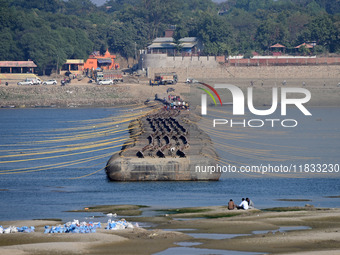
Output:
(307, 46)
(105, 62)
(277, 45)
(73, 65)
(17, 66)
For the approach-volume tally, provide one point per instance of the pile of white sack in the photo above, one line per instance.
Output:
(73, 227)
(13, 229)
(120, 224)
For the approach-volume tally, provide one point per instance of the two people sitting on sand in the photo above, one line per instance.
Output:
(245, 204)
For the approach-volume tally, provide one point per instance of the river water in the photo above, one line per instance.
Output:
(50, 193)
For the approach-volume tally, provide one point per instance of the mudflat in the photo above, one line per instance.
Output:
(289, 230)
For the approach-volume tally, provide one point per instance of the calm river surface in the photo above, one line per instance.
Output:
(30, 194)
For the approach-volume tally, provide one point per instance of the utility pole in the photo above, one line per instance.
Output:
(57, 71)
(135, 51)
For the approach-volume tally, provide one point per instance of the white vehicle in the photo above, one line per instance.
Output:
(105, 82)
(50, 82)
(25, 83)
(35, 81)
(191, 80)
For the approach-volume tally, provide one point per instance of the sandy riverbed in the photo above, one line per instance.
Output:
(317, 231)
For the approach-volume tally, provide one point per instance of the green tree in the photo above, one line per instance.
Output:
(48, 30)
(122, 38)
(38, 48)
(9, 49)
(79, 7)
(44, 5)
(215, 33)
(323, 31)
(270, 32)
(244, 28)
(304, 51)
(159, 14)
(253, 5)
(296, 24)
(331, 6)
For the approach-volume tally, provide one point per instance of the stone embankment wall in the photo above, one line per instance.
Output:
(211, 68)
(164, 61)
(260, 72)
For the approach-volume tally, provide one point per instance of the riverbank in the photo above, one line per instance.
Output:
(290, 230)
(66, 96)
(81, 94)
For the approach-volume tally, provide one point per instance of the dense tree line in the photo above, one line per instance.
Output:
(50, 31)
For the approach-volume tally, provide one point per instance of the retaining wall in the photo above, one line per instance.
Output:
(164, 61)
(252, 72)
(203, 67)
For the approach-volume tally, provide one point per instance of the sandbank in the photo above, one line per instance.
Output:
(291, 230)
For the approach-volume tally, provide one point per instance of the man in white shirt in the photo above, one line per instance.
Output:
(243, 205)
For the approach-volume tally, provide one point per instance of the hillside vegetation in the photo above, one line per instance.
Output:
(50, 31)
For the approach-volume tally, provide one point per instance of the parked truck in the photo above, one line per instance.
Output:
(115, 75)
(164, 78)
